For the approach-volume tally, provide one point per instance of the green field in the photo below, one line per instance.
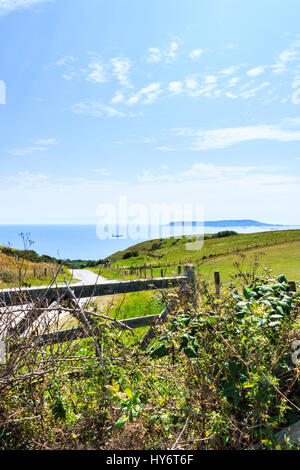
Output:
(282, 259)
(278, 251)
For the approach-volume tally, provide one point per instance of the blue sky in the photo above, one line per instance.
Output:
(163, 101)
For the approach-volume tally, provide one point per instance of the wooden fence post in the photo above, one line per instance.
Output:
(217, 283)
(151, 332)
(189, 272)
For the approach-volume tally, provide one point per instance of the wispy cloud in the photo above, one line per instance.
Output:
(166, 54)
(146, 95)
(253, 91)
(65, 59)
(97, 72)
(37, 146)
(226, 137)
(6, 6)
(166, 148)
(101, 171)
(296, 92)
(211, 173)
(235, 81)
(121, 70)
(256, 71)
(196, 53)
(230, 70)
(118, 98)
(289, 55)
(29, 179)
(176, 87)
(97, 109)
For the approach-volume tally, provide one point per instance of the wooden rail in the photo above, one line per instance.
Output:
(35, 296)
(64, 336)
(10, 297)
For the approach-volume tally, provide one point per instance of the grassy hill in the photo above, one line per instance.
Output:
(278, 250)
(16, 270)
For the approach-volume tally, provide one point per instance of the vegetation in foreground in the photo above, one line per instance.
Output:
(220, 379)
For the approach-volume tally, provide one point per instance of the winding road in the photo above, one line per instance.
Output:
(88, 277)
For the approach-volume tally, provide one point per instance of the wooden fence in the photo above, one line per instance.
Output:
(42, 296)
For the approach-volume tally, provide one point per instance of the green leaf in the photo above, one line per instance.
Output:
(282, 279)
(160, 351)
(248, 293)
(120, 423)
(129, 393)
(190, 351)
(153, 419)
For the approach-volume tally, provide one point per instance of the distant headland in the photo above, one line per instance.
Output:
(223, 223)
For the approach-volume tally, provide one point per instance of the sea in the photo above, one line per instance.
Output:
(88, 242)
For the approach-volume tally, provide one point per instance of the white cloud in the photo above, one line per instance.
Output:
(6, 6)
(28, 179)
(217, 174)
(233, 96)
(146, 140)
(233, 82)
(285, 57)
(255, 72)
(175, 87)
(96, 109)
(98, 72)
(155, 55)
(121, 70)
(253, 91)
(38, 145)
(191, 83)
(69, 75)
(230, 70)
(166, 148)
(66, 59)
(118, 98)
(101, 171)
(50, 141)
(210, 79)
(223, 138)
(196, 53)
(166, 54)
(148, 95)
(296, 93)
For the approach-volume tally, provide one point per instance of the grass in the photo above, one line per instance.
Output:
(283, 258)
(174, 250)
(18, 272)
(278, 250)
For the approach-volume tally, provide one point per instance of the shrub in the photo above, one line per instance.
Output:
(130, 254)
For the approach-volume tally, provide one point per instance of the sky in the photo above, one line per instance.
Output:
(173, 102)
